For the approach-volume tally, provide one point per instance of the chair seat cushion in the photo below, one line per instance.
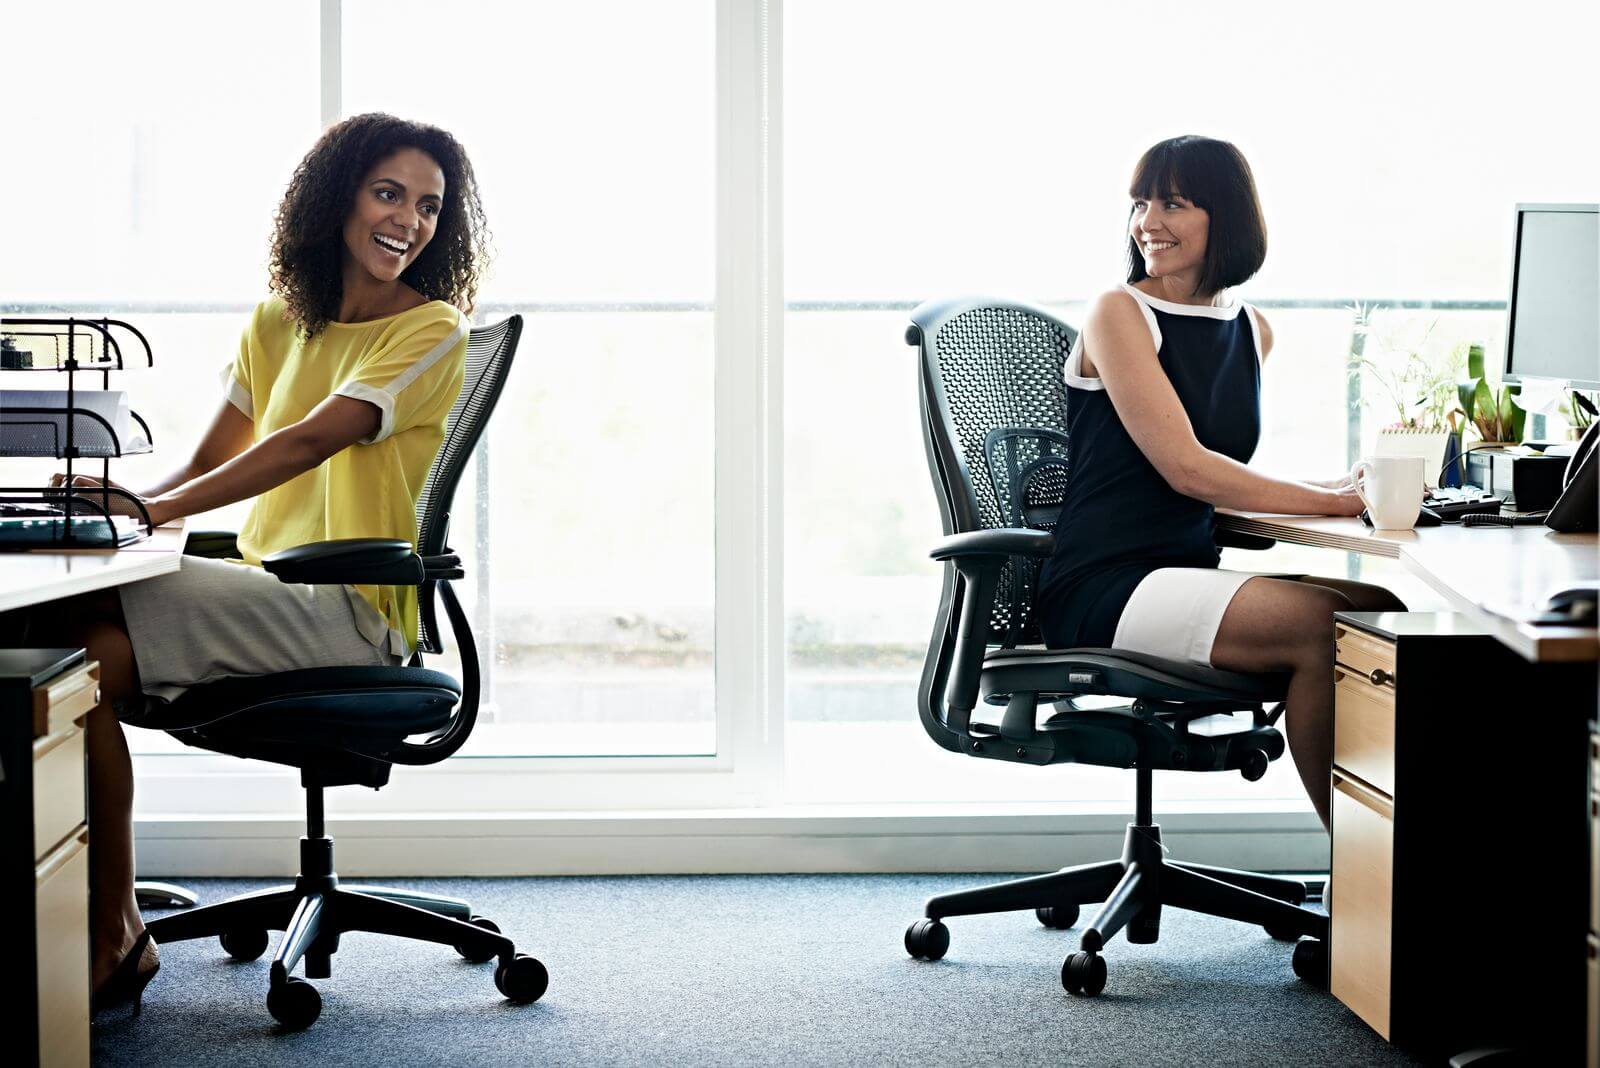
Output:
(1122, 673)
(387, 701)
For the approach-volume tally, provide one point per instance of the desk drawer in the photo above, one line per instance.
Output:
(1364, 654)
(61, 903)
(57, 789)
(1359, 964)
(1594, 1002)
(65, 699)
(1363, 730)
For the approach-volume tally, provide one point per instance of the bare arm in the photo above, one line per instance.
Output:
(332, 426)
(229, 435)
(1125, 357)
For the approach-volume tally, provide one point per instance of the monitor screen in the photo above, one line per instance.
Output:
(1554, 327)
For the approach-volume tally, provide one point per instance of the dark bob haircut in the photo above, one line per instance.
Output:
(308, 238)
(1213, 175)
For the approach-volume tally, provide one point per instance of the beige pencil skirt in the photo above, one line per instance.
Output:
(212, 619)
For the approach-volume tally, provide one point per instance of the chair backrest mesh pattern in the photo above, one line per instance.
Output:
(490, 350)
(998, 396)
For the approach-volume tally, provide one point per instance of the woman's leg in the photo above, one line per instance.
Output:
(1284, 625)
(1363, 596)
(95, 622)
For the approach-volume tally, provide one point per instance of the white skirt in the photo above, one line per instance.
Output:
(212, 619)
(1176, 611)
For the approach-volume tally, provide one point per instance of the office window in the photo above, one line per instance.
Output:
(140, 177)
(590, 128)
(938, 149)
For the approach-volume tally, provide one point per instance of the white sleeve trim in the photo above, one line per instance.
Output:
(1255, 332)
(384, 397)
(1143, 301)
(237, 395)
(372, 395)
(1075, 365)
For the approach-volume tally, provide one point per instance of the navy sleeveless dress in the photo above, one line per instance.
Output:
(1121, 521)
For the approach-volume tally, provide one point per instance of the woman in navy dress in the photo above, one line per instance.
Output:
(1164, 413)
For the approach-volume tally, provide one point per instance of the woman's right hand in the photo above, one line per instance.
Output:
(89, 483)
(1344, 500)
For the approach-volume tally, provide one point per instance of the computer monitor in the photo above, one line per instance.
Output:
(1553, 323)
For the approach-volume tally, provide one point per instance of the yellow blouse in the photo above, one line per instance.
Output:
(410, 365)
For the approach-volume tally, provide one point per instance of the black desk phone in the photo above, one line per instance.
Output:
(1578, 508)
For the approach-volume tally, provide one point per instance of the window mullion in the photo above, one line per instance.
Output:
(749, 398)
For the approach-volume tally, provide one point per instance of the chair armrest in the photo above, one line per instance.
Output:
(1002, 541)
(354, 561)
(213, 544)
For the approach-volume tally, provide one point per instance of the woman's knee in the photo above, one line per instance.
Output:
(1274, 625)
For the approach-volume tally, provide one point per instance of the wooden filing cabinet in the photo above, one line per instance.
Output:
(1458, 891)
(1593, 1035)
(45, 696)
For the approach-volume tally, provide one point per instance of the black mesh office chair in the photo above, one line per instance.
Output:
(994, 422)
(349, 726)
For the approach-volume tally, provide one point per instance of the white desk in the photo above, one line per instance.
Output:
(41, 575)
(1489, 574)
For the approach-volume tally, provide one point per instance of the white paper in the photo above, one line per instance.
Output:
(110, 404)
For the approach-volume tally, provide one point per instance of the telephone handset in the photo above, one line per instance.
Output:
(1578, 509)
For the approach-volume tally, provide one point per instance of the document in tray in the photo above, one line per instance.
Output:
(35, 433)
(88, 532)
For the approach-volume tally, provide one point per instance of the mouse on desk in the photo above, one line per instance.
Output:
(1574, 606)
(1426, 517)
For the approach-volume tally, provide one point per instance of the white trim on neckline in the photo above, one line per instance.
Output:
(1204, 311)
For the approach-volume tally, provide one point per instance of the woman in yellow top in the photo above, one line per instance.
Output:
(333, 412)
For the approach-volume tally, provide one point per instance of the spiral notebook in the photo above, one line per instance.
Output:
(1404, 441)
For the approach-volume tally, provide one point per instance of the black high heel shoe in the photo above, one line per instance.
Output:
(126, 982)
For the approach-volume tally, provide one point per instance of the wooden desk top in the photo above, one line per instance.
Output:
(1495, 575)
(46, 575)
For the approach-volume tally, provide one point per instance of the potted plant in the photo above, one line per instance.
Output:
(1421, 385)
(1496, 412)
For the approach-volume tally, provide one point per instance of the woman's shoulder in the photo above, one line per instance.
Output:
(1115, 307)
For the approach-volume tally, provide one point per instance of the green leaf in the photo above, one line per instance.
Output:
(1475, 361)
(1483, 398)
(1465, 392)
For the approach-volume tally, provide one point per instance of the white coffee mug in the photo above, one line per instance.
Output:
(1392, 489)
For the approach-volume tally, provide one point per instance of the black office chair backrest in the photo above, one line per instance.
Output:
(994, 422)
(489, 353)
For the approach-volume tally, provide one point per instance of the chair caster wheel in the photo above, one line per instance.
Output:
(296, 1004)
(245, 944)
(1311, 961)
(522, 979)
(478, 955)
(1057, 917)
(1084, 974)
(1282, 934)
(927, 939)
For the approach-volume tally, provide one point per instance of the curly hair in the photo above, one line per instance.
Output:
(307, 241)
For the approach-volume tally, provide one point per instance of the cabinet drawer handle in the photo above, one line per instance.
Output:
(1378, 676)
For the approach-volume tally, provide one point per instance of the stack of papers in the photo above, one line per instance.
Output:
(35, 434)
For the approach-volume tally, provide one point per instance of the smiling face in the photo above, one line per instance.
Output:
(395, 213)
(1171, 234)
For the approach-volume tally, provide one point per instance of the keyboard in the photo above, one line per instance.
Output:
(39, 511)
(1453, 502)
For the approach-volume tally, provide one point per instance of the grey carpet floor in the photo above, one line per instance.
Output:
(736, 970)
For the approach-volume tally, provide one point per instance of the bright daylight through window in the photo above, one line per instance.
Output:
(925, 148)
